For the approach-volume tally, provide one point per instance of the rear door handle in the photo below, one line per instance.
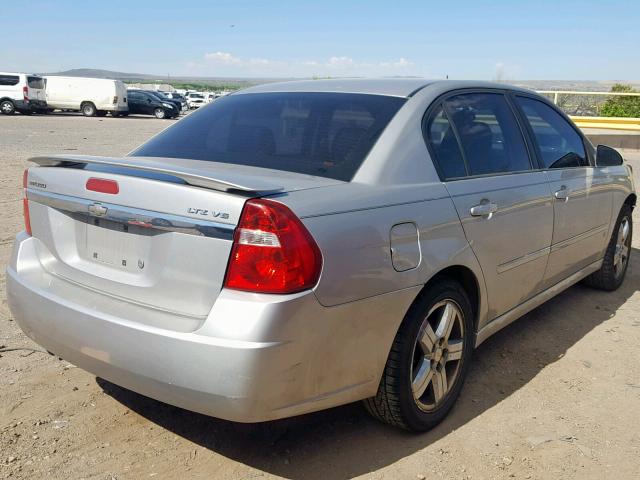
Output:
(484, 209)
(562, 194)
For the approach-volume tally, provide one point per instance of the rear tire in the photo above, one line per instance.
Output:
(88, 109)
(160, 113)
(428, 361)
(616, 257)
(7, 107)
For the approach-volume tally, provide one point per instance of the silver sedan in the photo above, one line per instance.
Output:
(296, 246)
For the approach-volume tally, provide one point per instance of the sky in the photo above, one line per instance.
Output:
(463, 39)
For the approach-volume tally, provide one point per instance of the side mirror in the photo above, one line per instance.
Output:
(608, 157)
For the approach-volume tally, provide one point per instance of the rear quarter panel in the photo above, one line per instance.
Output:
(354, 237)
(621, 183)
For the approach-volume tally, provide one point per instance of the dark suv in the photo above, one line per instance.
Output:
(144, 103)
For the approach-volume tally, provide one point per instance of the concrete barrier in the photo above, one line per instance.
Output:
(615, 140)
(612, 123)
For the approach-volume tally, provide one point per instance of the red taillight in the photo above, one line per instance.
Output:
(25, 93)
(25, 202)
(102, 185)
(272, 251)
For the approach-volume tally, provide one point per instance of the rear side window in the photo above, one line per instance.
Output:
(35, 82)
(9, 80)
(559, 144)
(322, 134)
(445, 146)
(489, 134)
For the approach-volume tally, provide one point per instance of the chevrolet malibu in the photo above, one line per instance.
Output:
(297, 246)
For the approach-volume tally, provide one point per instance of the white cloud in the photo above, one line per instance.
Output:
(222, 57)
(340, 62)
(226, 63)
(400, 63)
(260, 61)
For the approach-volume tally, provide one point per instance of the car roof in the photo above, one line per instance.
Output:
(397, 87)
(17, 74)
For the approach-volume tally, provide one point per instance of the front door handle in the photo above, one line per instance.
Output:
(562, 194)
(485, 209)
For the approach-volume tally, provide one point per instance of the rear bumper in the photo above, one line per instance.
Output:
(30, 106)
(254, 358)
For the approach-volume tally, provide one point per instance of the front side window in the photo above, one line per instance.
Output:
(323, 134)
(559, 144)
(489, 134)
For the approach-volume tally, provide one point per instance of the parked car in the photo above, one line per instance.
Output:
(195, 100)
(179, 101)
(183, 100)
(161, 97)
(91, 96)
(297, 246)
(144, 103)
(21, 92)
(175, 95)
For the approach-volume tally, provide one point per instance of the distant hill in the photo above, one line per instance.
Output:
(97, 73)
(144, 77)
(239, 82)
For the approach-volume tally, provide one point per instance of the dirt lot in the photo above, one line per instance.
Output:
(555, 395)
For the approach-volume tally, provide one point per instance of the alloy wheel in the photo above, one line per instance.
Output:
(621, 255)
(6, 107)
(437, 357)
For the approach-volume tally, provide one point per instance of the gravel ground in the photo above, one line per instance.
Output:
(554, 395)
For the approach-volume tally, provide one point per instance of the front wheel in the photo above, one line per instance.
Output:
(428, 361)
(159, 113)
(616, 257)
(7, 107)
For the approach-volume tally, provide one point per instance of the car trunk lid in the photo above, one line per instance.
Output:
(161, 239)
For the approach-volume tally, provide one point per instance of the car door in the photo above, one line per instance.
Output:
(133, 99)
(581, 193)
(147, 104)
(504, 205)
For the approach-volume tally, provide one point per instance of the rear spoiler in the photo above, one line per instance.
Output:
(199, 173)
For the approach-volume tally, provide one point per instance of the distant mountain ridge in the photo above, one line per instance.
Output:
(98, 73)
(137, 77)
(586, 85)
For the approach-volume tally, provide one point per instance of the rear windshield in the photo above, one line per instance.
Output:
(35, 82)
(323, 134)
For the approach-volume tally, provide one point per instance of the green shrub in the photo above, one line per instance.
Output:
(619, 106)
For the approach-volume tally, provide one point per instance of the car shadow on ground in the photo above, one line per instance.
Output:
(344, 442)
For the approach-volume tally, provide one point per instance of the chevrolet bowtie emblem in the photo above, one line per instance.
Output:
(97, 209)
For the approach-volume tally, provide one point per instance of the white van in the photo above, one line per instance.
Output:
(21, 92)
(91, 96)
